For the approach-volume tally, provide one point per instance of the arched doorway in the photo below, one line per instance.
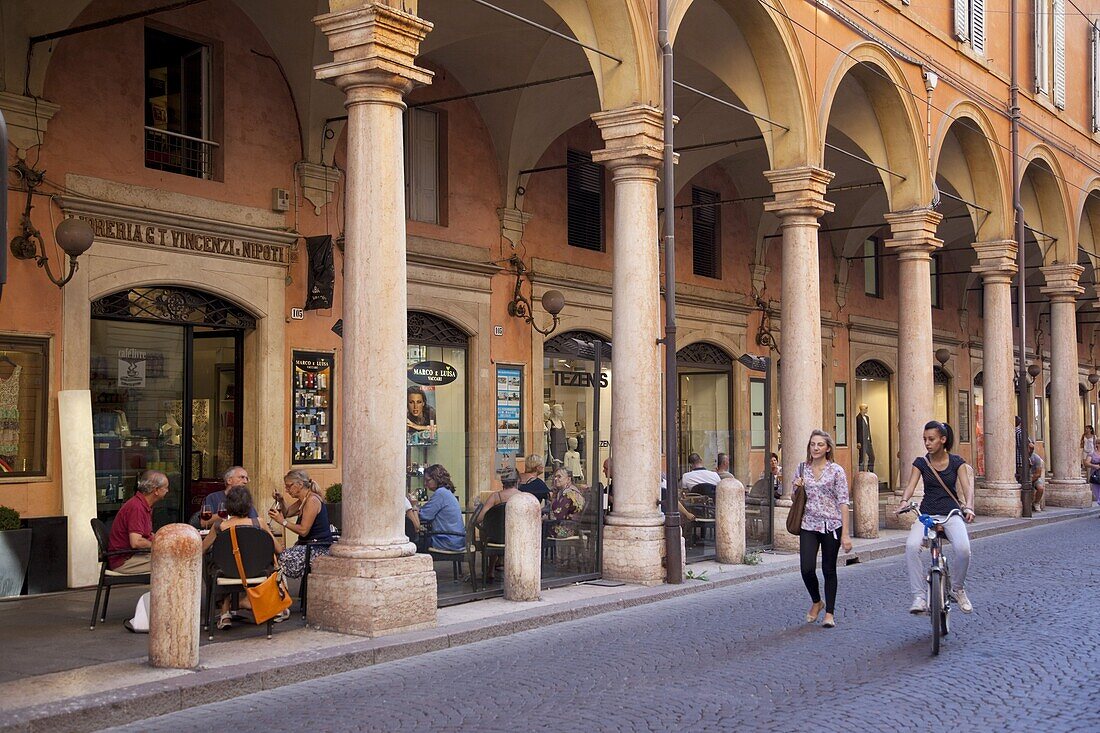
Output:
(568, 408)
(705, 402)
(166, 385)
(873, 420)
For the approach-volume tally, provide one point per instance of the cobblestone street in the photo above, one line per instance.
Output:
(738, 659)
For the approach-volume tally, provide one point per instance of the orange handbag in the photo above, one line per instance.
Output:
(269, 598)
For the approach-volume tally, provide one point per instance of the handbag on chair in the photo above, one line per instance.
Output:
(798, 507)
(269, 598)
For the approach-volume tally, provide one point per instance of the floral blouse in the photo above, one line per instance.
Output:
(824, 497)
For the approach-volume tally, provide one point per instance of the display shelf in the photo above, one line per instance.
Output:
(311, 426)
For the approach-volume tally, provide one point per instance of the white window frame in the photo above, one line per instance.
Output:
(970, 23)
(1042, 50)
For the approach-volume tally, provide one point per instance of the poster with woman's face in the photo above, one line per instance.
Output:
(420, 418)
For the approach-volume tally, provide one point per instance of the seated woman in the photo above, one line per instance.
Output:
(566, 504)
(509, 482)
(442, 510)
(238, 502)
(312, 521)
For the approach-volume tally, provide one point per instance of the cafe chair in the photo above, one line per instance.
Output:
(303, 588)
(455, 557)
(109, 578)
(257, 556)
(492, 537)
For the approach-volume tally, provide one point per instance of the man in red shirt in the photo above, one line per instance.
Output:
(133, 526)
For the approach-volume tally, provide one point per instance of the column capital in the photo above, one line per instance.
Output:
(1062, 281)
(373, 46)
(914, 233)
(799, 192)
(996, 260)
(633, 136)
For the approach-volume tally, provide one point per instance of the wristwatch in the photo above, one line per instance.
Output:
(284, 522)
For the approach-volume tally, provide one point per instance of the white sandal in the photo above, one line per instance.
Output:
(225, 621)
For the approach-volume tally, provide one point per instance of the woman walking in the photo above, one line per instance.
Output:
(824, 523)
(1092, 465)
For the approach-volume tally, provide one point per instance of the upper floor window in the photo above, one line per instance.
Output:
(970, 23)
(1050, 50)
(178, 105)
(422, 165)
(872, 267)
(705, 233)
(584, 201)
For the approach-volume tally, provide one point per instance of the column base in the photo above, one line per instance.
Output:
(901, 521)
(634, 554)
(998, 499)
(782, 540)
(372, 597)
(1072, 493)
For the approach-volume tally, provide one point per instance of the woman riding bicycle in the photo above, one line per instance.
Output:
(946, 484)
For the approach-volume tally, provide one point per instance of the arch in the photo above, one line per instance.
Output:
(434, 330)
(1088, 219)
(1043, 195)
(561, 344)
(756, 36)
(704, 353)
(172, 304)
(868, 100)
(252, 295)
(873, 369)
(965, 156)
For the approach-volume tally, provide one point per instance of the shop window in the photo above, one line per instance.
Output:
(24, 392)
(704, 426)
(178, 105)
(979, 425)
(934, 280)
(423, 137)
(941, 382)
(757, 418)
(872, 395)
(584, 201)
(872, 267)
(970, 23)
(840, 413)
(706, 247)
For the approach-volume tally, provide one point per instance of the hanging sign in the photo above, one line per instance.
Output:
(432, 373)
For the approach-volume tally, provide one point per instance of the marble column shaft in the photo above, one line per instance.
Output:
(999, 493)
(633, 537)
(1063, 448)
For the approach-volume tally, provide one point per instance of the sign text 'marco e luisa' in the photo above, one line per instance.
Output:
(185, 239)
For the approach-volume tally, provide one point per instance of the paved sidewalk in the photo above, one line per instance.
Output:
(98, 695)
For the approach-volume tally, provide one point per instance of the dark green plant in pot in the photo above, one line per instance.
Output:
(9, 519)
(334, 494)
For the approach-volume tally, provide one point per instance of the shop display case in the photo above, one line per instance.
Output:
(312, 428)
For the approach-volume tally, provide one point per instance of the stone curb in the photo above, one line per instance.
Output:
(191, 689)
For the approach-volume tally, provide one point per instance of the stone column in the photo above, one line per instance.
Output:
(633, 544)
(999, 494)
(914, 241)
(1068, 488)
(799, 203)
(373, 583)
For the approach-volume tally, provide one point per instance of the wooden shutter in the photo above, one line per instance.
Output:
(584, 192)
(977, 26)
(422, 165)
(962, 19)
(1042, 58)
(706, 245)
(1094, 32)
(1059, 86)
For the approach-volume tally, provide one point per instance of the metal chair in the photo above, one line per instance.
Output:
(109, 578)
(257, 556)
(492, 537)
(303, 588)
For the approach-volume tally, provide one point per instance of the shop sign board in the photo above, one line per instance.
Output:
(432, 373)
(168, 237)
(131, 368)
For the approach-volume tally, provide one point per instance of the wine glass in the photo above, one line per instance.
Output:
(222, 511)
(206, 513)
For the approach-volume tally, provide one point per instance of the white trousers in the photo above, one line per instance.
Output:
(918, 563)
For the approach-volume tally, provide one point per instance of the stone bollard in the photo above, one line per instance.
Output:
(522, 548)
(175, 602)
(783, 541)
(865, 505)
(729, 520)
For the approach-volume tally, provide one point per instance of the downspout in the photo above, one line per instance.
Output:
(670, 503)
(1022, 404)
(3, 203)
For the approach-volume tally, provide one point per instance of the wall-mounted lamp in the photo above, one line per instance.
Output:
(942, 356)
(1033, 372)
(1093, 378)
(74, 236)
(520, 307)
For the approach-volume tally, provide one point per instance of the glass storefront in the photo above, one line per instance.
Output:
(872, 434)
(24, 389)
(979, 425)
(941, 383)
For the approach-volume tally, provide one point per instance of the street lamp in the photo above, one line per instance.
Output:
(942, 356)
(520, 307)
(74, 236)
(1033, 372)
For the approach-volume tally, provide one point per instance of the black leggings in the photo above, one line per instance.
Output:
(808, 543)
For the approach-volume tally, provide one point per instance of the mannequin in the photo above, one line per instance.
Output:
(863, 440)
(556, 431)
(170, 431)
(549, 460)
(573, 460)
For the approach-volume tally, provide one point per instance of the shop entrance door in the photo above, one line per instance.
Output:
(166, 395)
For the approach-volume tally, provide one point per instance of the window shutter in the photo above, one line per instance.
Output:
(1060, 54)
(1094, 31)
(1042, 59)
(705, 240)
(422, 165)
(584, 198)
(962, 19)
(977, 25)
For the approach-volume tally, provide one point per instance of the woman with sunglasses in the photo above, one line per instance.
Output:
(948, 485)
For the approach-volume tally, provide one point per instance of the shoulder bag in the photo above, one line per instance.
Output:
(269, 598)
(798, 506)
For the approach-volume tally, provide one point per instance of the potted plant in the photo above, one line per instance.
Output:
(333, 496)
(15, 552)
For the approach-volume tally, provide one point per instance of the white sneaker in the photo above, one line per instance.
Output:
(1036, 508)
(964, 603)
(920, 605)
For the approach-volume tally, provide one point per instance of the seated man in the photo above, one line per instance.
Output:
(698, 474)
(234, 476)
(133, 526)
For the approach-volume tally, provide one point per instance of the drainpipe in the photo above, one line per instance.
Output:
(1023, 474)
(670, 504)
(3, 203)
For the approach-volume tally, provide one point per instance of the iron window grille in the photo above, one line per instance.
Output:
(180, 306)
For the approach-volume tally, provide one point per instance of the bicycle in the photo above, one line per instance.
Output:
(939, 576)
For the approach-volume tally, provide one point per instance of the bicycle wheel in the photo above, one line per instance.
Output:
(935, 609)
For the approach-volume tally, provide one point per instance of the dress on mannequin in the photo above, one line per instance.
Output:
(573, 460)
(558, 445)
